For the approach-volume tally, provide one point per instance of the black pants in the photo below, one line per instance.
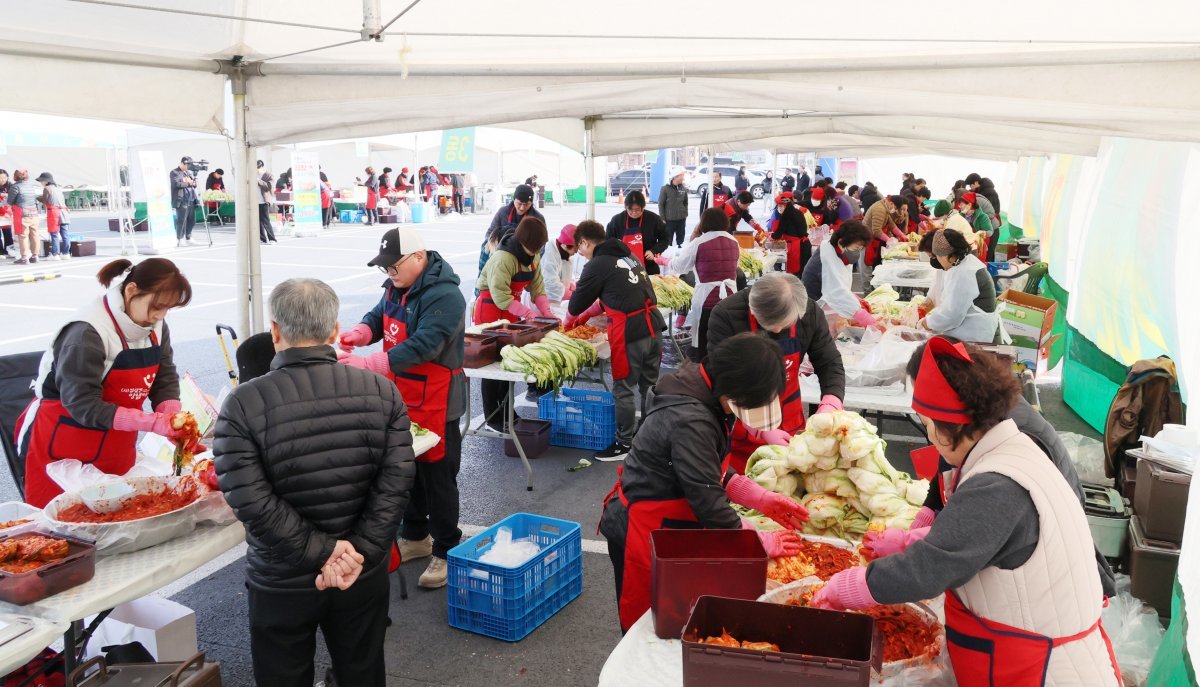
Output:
(265, 231)
(676, 228)
(185, 220)
(458, 203)
(433, 502)
(327, 216)
(702, 351)
(283, 632)
(372, 215)
(6, 239)
(494, 401)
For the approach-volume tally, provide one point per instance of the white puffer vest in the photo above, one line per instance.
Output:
(1056, 592)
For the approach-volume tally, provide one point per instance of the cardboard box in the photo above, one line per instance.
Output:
(1028, 320)
(165, 628)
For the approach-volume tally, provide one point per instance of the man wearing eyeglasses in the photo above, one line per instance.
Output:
(420, 319)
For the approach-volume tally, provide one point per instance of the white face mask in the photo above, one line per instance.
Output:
(814, 202)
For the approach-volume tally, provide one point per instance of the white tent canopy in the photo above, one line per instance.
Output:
(1028, 78)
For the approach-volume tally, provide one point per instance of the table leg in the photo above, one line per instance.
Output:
(71, 645)
(512, 432)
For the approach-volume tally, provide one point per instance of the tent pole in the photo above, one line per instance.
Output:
(249, 269)
(589, 165)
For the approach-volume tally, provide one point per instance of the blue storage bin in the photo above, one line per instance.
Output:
(508, 603)
(420, 212)
(581, 418)
(346, 216)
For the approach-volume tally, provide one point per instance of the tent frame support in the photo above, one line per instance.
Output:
(589, 165)
(249, 265)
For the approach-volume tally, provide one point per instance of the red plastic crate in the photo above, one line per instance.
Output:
(688, 564)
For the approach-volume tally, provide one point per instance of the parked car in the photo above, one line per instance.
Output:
(699, 183)
(629, 180)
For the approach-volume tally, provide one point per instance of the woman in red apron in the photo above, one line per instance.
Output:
(673, 479)
(792, 226)
(6, 215)
(643, 231)
(98, 373)
(1028, 612)
(372, 184)
(512, 270)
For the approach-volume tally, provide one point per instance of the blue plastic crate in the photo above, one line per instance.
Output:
(346, 216)
(516, 630)
(503, 602)
(580, 418)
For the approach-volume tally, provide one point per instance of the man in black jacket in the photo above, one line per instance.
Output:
(778, 307)
(506, 219)
(643, 231)
(803, 181)
(615, 283)
(788, 183)
(316, 460)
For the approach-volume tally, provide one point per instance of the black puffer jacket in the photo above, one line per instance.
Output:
(677, 453)
(620, 282)
(310, 453)
(732, 316)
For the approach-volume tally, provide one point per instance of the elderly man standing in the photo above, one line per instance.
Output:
(778, 307)
(420, 319)
(183, 199)
(316, 460)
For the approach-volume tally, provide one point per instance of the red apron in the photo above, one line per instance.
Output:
(616, 336)
(55, 436)
(874, 253)
(643, 518)
(372, 198)
(53, 217)
(326, 197)
(486, 309)
(719, 199)
(17, 227)
(425, 388)
(985, 653)
(634, 240)
(799, 250)
(741, 445)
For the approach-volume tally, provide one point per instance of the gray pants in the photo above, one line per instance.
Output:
(644, 358)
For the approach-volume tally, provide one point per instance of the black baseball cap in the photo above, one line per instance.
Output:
(186, 160)
(45, 176)
(396, 244)
(524, 193)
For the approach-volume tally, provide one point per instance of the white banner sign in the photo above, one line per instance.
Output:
(156, 182)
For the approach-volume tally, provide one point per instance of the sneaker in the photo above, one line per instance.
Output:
(179, 243)
(434, 576)
(22, 261)
(191, 242)
(32, 259)
(412, 550)
(533, 394)
(617, 451)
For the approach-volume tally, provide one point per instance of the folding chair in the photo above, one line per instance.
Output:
(17, 372)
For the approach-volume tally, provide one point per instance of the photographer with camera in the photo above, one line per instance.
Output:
(183, 199)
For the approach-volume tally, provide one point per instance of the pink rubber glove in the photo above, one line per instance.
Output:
(568, 290)
(829, 403)
(520, 311)
(891, 541)
(773, 437)
(777, 544)
(134, 420)
(744, 491)
(845, 591)
(924, 517)
(377, 362)
(582, 318)
(169, 408)
(864, 319)
(358, 335)
(543, 305)
(662, 260)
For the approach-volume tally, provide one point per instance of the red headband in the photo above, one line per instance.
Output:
(933, 396)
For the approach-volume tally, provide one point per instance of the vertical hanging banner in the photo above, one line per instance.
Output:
(458, 150)
(306, 194)
(156, 182)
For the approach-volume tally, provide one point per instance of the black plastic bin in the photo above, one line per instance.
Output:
(534, 436)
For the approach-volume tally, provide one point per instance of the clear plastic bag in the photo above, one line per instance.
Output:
(1087, 455)
(1135, 632)
(885, 363)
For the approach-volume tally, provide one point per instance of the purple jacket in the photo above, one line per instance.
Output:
(716, 261)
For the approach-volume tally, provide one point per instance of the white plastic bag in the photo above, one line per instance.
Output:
(1087, 455)
(1135, 632)
(885, 363)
